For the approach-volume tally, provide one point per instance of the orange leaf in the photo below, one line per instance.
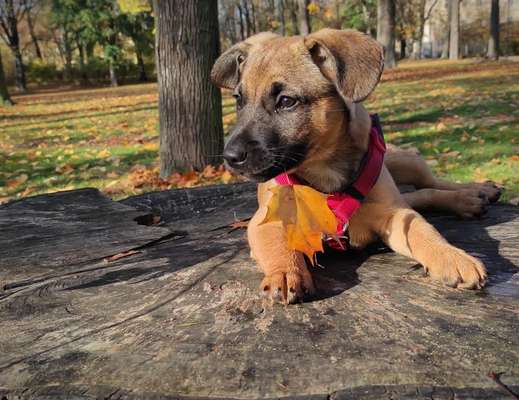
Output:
(103, 153)
(226, 177)
(13, 183)
(305, 216)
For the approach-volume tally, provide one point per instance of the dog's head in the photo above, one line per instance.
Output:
(293, 96)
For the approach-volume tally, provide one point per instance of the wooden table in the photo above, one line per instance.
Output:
(179, 316)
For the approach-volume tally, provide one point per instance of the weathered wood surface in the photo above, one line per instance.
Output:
(182, 317)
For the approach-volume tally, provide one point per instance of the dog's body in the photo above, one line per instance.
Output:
(299, 111)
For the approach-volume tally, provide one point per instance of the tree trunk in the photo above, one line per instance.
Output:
(19, 71)
(403, 44)
(365, 14)
(446, 41)
(5, 99)
(493, 41)
(14, 45)
(190, 113)
(304, 17)
(454, 30)
(90, 51)
(143, 77)
(113, 75)
(33, 36)
(246, 15)
(421, 28)
(82, 67)
(68, 58)
(280, 16)
(293, 17)
(253, 17)
(386, 30)
(241, 22)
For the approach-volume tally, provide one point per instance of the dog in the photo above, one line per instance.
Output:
(299, 111)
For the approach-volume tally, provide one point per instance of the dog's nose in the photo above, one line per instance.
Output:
(236, 156)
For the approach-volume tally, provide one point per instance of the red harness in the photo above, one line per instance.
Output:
(344, 203)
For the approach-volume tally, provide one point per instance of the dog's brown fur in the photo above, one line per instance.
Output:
(332, 71)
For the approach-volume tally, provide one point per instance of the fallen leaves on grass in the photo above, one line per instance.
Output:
(148, 177)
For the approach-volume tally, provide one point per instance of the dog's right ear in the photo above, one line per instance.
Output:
(226, 69)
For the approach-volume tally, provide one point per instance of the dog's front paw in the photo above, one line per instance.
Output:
(456, 268)
(289, 286)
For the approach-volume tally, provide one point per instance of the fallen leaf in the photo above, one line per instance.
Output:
(64, 169)
(226, 177)
(103, 153)
(305, 216)
(14, 183)
(453, 153)
(441, 126)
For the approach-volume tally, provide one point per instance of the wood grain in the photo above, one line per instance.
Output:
(182, 318)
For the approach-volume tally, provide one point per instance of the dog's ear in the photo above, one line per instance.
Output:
(226, 69)
(352, 60)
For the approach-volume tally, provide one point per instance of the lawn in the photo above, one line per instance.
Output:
(463, 116)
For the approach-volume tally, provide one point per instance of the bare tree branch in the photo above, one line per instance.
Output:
(428, 13)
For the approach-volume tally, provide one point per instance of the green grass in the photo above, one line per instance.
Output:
(466, 118)
(464, 115)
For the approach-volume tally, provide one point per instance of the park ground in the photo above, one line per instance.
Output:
(463, 116)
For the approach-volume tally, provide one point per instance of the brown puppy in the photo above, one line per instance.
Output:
(299, 111)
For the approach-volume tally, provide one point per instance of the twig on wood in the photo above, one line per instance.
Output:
(242, 224)
(124, 254)
(496, 377)
(237, 224)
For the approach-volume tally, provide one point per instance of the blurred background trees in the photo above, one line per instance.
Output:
(112, 41)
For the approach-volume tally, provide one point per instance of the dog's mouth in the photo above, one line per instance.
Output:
(272, 162)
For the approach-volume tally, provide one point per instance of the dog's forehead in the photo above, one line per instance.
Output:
(284, 60)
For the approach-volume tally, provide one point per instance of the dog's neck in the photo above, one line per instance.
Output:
(341, 163)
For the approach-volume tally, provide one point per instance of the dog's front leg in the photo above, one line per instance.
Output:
(287, 278)
(406, 232)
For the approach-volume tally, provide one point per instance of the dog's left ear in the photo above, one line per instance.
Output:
(352, 60)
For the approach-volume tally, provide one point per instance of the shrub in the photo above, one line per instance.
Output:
(41, 72)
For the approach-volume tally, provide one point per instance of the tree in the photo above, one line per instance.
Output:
(493, 41)
(137, 23)
(29, 6)
(5, 99)
(304, 17)
(280, 16)
(424, 13)
(454, 29)
(11, 13)
(292, 7)
(357, 14)
(386, 30)
(190, 116)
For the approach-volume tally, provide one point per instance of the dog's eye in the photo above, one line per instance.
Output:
(286, 102)
(238, 98)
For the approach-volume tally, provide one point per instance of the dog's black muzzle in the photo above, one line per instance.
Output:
(261, 157)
